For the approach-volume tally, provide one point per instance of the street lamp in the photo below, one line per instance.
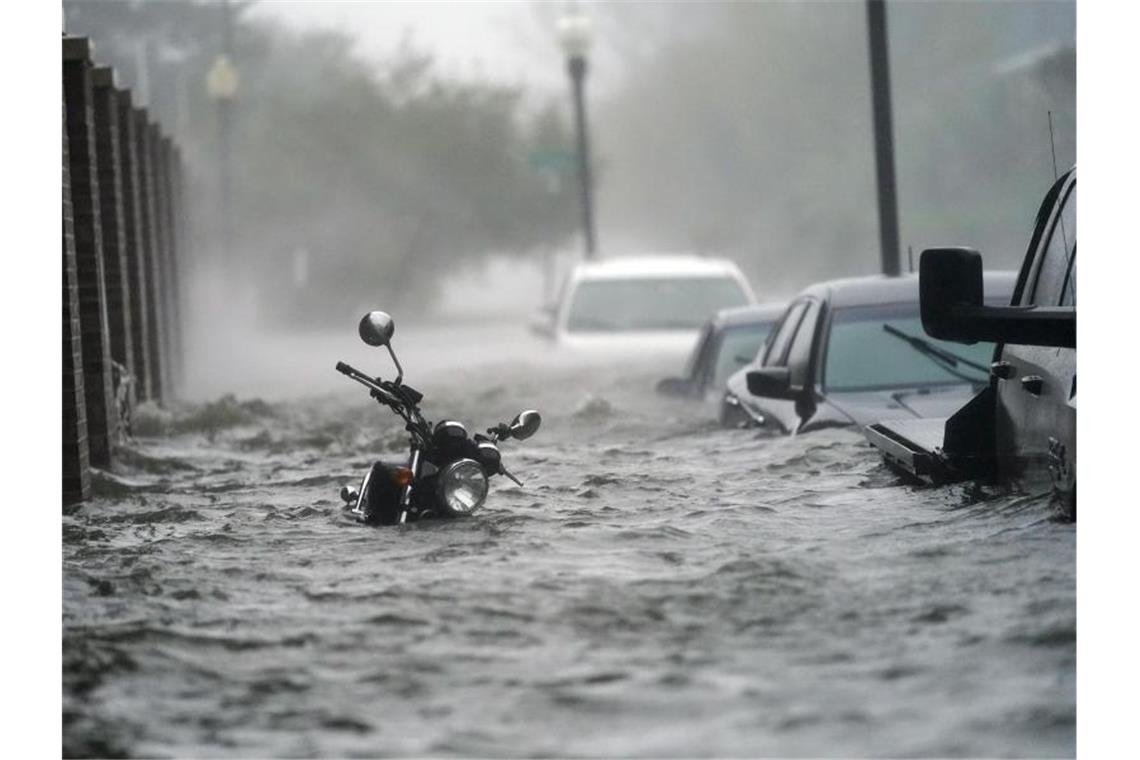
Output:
(222, 87)
(575, 33)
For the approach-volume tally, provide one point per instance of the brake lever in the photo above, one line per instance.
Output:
(504, 471)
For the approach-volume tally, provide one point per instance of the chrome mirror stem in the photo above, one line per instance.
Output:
(399, 369)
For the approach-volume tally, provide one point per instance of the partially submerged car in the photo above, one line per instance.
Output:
(642, 304)
(726, 343)
(851, 351)
(1023, 425)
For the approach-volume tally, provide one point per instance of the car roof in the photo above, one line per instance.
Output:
(749, 315)
(876, 289)
(680, 265)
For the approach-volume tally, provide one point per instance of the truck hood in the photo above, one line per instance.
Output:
(671, 343)
(865, 407)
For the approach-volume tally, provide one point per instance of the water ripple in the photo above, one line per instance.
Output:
(659, 587)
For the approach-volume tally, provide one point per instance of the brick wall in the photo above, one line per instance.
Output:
(123, 246)
(152, 254)
(180, 263)
(163, 261)
(97, 382)
(173, 273)
(76, 479)
(111, 219)
(134, 243)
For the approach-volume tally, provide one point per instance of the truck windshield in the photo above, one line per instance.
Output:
(666, 303)
(863, 356)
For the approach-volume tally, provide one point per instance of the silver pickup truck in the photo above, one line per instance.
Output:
(1022, 426)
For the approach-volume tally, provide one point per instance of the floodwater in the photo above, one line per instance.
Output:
(659, 587)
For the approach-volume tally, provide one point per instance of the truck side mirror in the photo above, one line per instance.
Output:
(952, 304)
(771, 382)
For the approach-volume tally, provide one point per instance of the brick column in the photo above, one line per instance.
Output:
(97, 382)
(111, 218)
(181, 263)
(147, 206)
(76, 479)
(165, 258)
(134, 244)
(173, 262)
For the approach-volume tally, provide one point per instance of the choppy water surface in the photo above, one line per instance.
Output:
(658, 587)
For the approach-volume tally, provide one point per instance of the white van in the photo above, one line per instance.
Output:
(647, 304)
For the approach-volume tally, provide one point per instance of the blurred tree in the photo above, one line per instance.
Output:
(379, 179)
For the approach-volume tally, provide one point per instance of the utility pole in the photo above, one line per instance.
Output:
(884, 139)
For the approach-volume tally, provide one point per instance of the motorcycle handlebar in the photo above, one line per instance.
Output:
(354, 373)
(377, 391)
(380, 393)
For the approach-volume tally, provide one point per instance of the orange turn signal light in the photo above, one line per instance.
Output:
(403, 476)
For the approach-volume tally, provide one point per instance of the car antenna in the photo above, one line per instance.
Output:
(1052, 145)
(1053, 148)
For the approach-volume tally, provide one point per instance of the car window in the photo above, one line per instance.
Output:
(1059, 251)
(783, 335)
(665, 303)
(1069, 293)
(1040, 227)
(863, 354)
(737, 347)
(799, 355)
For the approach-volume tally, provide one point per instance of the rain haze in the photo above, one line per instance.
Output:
(608, 212)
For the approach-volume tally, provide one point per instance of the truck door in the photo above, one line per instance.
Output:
(1037, 386)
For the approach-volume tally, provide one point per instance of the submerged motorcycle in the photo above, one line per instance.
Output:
(447, 472)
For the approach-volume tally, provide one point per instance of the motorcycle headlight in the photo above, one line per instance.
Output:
(462, 487)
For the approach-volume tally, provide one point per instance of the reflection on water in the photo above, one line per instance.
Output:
(658, 587)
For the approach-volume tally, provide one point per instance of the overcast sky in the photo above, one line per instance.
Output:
(501, 41)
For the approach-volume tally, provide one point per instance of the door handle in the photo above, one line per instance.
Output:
(1001, 370)
(1032, 384)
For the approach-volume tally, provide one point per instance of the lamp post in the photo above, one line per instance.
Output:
(222, 86)
(575, 33)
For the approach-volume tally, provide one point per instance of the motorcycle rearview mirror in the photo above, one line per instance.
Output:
(525, 424)
(376, 328)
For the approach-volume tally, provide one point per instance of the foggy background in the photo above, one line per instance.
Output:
(413, 157)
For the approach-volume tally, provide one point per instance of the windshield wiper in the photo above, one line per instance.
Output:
(947, 359)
